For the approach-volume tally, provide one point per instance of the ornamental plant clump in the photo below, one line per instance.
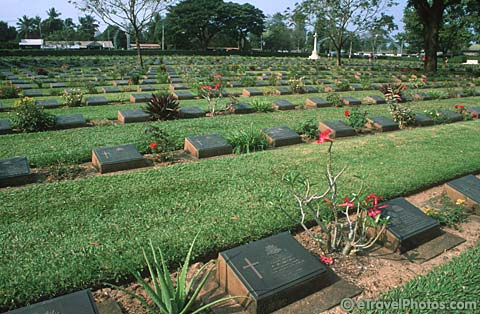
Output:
(349, 225)
(162, 107)
(335, 100)
(356, 118)
(167, 297)
(72, 97)
(31, 118)
(7, 90)
(401, 114)
(213, 94)
(297, 85)
(309, 128)
(437, 116)
(247, 141)
(160, 143)
(261, 105)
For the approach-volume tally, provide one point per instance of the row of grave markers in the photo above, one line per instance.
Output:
(277, 273)
(16, 171)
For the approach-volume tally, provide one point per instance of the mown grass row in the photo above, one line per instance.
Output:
(61, 237)
(458, 281)
(75, 145)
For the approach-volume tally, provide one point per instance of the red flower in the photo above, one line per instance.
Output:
(474, 114)
(461, 107)
(374, 212)
(153, 146)
(324, 136)
(326, 260)
(456, 106)
(217, 76)
(424, 80)
(347, 203)
(347, 113)
(217, 86)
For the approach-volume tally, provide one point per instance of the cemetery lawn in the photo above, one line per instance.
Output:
(60, 237)
(456, 281)
(75, 145)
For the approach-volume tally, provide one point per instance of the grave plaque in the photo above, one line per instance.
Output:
(24, 86)
(272, 272)
(132, 116)
(32, 93)
(452, 115)
(356, 87)
(374, 99)
(260, 83)
(459, 94)
(331, 88)
(117, 158)
(235, 84)
(281, 136)
(190, 112)
(466, 188)
(382, 124)
(242, 108)
(283, 82)
(136, 98)
(58, 85)
(423, 119)
(149, 81)
(69, 121)
(310, 89)
(317, 102)
(283, 91)
(5, 126)
(251, 92)
(47, 103)
(338, 128)
(120, 82)
(176, 80)
(178, 86)
(145, 88)
(183, 94)
(422, 96)
(408, 226)
(207, 146)
(96, 101)
(350, 101)
(80, 302)
(15, 171)
(111, 89)
(283, 105)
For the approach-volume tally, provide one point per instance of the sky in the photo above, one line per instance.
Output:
(11, 10)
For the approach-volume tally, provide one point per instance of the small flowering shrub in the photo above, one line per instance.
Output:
(343, 85)
(160, 143)
(72, 97)
(7, 90)
(356, 118)
(417, 82)
(273, 80)
(401, 114)
(31, 118)
(213, 94)
(437, 116)
(362, 224)
(467, 115)
(297, 85)
(335, 100)
(309, 128)
(450, 213)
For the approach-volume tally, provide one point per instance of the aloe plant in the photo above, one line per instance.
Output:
(167, 297)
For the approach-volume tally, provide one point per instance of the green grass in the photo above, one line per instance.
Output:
(75, 146)
(46, 230)
(456, 281)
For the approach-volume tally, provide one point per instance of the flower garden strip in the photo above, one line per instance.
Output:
(106, 211)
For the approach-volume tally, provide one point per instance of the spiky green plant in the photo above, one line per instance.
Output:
(163, 107)
(246, 141)
(167, 297)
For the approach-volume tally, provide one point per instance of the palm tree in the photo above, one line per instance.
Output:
(53, 22)
(37, 26)
(88, 25)
(25, 26)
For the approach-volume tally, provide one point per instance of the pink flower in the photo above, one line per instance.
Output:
(217, 86)
(217, 76)
(326, 260)
(324, 137)
(373, 212)
(347, 203)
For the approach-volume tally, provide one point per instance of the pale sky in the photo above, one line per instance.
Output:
(11, 10)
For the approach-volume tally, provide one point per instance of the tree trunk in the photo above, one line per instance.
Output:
(339, 58)
(139, 51)
(430, 35)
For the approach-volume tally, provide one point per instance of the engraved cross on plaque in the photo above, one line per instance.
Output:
(252, 266)
(106, 154)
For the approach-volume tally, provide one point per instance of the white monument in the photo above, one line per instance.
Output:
(314, 55)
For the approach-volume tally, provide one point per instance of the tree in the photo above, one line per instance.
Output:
(131, 16)
(278, 36)
(53, 23)
(25, 26)
(88, 26)
(244, 19)
(7, 34)
(338, 17)
(298, 21)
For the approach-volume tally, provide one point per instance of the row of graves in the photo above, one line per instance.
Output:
(278, 275)
(16, 171)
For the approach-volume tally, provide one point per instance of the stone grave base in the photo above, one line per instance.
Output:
(423, 252)
(318, 302)
(109, 307)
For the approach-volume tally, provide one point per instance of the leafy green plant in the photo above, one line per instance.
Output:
(449, 214)
(261, 105)
(167, 297)
(162, 77)
(297, 85)
(437, 116)
(162, 107)
(308, 127)
(134, 79)
(343, 85)
(247, 80)
(437, 94)
(72, 97)
(31, 118)
(7, 90)
(356, 118)
(273, 80)
(335, 100)
(467, 115)
(246, 141)
(401, 114)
